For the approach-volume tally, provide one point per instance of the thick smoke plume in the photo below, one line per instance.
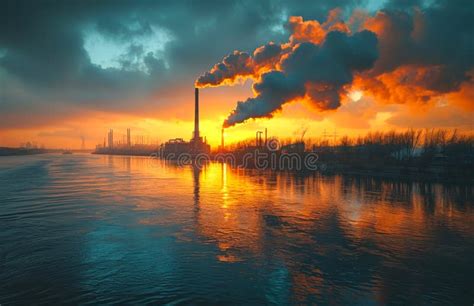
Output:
(317, 73)
(240, 65)
(395, 56)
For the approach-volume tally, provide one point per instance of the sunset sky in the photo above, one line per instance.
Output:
(74, 69)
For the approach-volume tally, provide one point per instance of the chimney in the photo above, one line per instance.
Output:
(265, 137)
(129, 143)
(258, 138)
(222, 139)
(196, 114)
(111, 139)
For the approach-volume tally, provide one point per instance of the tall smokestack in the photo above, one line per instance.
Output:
(196, 114)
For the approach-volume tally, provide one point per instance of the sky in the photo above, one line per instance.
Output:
(71, 70)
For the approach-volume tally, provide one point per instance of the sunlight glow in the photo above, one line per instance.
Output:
(355, 95)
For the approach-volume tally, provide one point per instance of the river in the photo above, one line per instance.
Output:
(87, 228)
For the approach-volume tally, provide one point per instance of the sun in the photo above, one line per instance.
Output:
(355, 95)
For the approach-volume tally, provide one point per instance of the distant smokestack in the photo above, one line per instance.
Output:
(196, 114)
(258, 138)
(265, 137)
(111, 139)
(222, 139)
(129, 143)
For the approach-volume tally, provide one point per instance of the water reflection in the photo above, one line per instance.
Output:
(145, 230)
(196, 172)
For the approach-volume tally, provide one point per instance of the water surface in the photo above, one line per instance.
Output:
(86, 228)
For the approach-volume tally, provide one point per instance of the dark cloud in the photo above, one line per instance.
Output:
(424, 50)
(44, 64)
(42, 47)
(439, 37)
(267, 53)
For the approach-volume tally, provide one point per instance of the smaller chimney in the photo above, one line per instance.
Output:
(111, 139)
(258, 138)
(129, 142)
(265, 137)
(222, 139)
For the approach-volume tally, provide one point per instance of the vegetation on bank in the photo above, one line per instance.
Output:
(435, 152)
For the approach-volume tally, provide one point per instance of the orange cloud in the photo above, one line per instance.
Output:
(313, 31)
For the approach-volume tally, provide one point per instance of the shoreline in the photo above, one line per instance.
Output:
(436, 174)
(6, 151)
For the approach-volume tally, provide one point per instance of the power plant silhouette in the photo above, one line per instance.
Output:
(175, 147)
(171, 149)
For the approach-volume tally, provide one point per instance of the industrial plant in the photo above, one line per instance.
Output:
(196, 145)
(170, 150)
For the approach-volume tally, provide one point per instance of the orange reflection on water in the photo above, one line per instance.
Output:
(309, 224)
(276, 237)
(234, 205)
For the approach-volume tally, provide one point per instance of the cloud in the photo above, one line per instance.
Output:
(267, 54)
(424, 53)
(304, 68)
(409, 52)
(47, 51)
(49, 72)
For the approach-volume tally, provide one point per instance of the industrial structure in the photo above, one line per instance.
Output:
(110, 137)
(172, 149)
(197, 145)
(129, 142)
(222, 140)
(122, 144)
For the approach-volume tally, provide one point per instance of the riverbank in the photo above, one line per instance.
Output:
(309, 162)
(6, 151)
(126, 152)
(429, 174)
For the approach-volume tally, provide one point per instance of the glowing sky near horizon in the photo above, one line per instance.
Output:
(72, 70)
